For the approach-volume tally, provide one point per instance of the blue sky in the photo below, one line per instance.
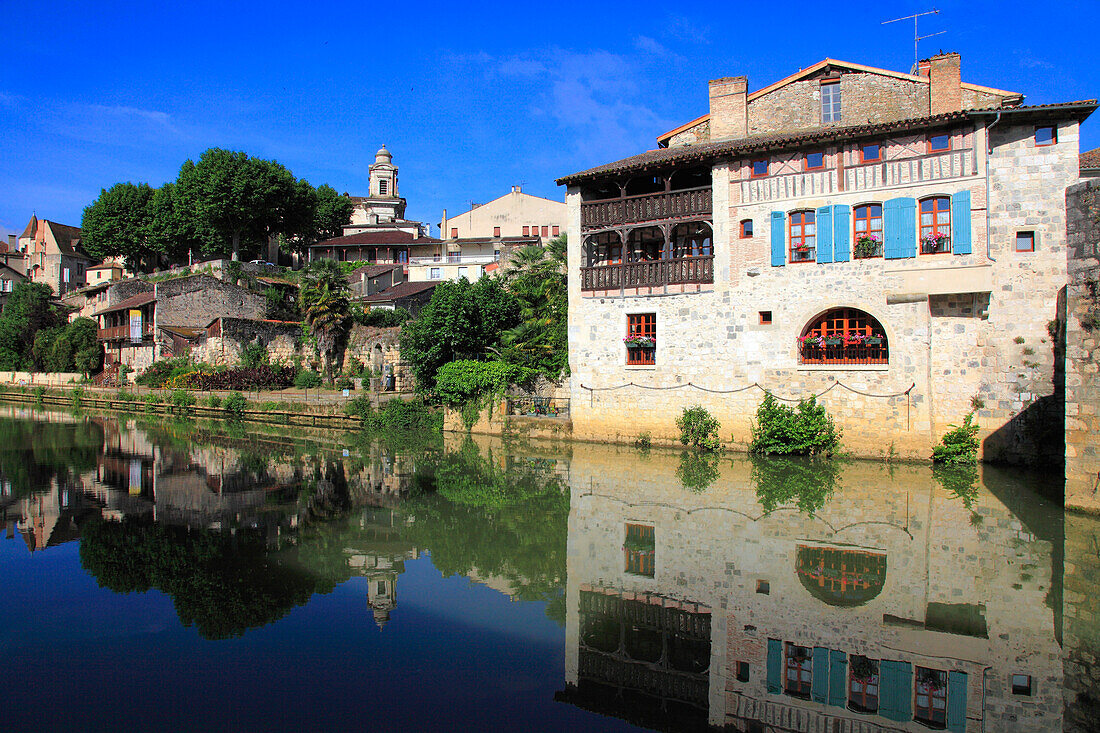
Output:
(471, 99)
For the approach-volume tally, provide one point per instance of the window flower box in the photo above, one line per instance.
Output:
(834, 341)
(935, 243)
(640, 342)
(867, 246)
(874, 341)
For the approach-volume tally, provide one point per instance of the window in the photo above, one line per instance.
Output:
(605, 249)
(1025, 241)
(639, 549)
(1047, 135)
(765, 318)
(556, 231)
(763, 587)
(935, 225)
(862, 684)
(691, 240)
(868, 231)
(454, 233)
(1021, 684)
(65, 275)
(435, 273)
(844, 336)
(381, 587)
(830, 102)
(799, 671)
(759, 168)
(464, 272)
(930, 704)
(746, 229)
(546, 231)
(496, 231)
(742, 671)
(382, 185)
(871, 153)
(641, 338)
(803, 231)
(814, 161)
(939, 143)
(527, 231)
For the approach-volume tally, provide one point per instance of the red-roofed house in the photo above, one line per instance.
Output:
(53, 255)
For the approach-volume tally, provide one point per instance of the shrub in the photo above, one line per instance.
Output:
(959, 445)
(39, 393)
(125, 396)
(235, 404)
(382, 318)
(806, 429)
(361, 408)
(150, 401)
(161, 371)
(181, 400)
(307, 379)
(698, 428)
(77, 394)
(459, 382)
(254, 355)
(396, 415)
(643, 441)
(213, 401)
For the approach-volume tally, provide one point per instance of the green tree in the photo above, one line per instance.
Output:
(463, 320)
(333, 212)
(121, 222)
(537, 279)
(28, 310)
(326, 309)
(175, 232)
(237, 201)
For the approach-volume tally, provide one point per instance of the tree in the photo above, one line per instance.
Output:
(121, 223)
(537, 279)
(237, 201)
(27, 311)
(333, 212)
(174, 232)
(323, 295)
(461, 321)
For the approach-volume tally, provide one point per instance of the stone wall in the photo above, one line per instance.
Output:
(1081, 623)
(1082, 328)
(196, 301)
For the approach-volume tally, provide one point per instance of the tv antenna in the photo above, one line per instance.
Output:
(917, 37)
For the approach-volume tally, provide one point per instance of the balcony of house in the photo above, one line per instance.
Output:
(455, 258)
(122, 332)
(652, 257)
(668, 196)
(907, 171)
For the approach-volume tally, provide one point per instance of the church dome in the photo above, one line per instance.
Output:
(383, 155)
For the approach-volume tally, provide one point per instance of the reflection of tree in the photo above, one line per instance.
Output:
(221, 584)
(697, 471)
(806, 481)
(35, 452)
(509, 521)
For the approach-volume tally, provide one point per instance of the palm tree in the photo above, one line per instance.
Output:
(324, 298)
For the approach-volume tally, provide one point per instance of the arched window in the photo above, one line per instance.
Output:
(935, 225)
(844, 336)
(841, 576)
(868, 231)
(691, 240)
(605, 249)
(803, 231)
(645, 244)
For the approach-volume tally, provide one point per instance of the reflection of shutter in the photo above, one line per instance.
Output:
(779, 239)
(838, 678)
(775, 666)
(841, 247)
(819, 686)
(825, 234)
(895, 680)
(956, 701)
(900, 224)
(960, 223)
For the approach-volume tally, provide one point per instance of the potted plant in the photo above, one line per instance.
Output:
(812, 340)
(640, 342)
(867, 245)
(935, 242)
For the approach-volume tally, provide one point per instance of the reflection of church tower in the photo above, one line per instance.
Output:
(382, 595)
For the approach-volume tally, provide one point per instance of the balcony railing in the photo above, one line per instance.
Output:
(454, 259)
(653, 273)
(122, 333)
(646, 207)
(844, 354)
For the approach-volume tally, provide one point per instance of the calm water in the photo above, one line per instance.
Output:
(180, 576)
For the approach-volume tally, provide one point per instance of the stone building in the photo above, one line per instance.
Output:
(893, 243)
(888, 604)
(515, 214)
(52, 255)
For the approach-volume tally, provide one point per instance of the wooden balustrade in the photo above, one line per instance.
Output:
(686, 270)
(122, 333)
(690, 202)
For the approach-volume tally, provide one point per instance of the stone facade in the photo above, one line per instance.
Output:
(966, 329)
(1081, 623)
(1082, 325)
(195, 301)
(964, 586)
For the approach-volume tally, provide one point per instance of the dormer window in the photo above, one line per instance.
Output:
(830, 102)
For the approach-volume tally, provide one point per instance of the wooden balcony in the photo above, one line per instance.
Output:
(122, 333)
(688, 203)
(653, 273)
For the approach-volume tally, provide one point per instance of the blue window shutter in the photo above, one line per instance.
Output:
(824, 224)
(819, 679)
(779, 239)
(842, 251)
(895, 690)
(904, 690)
(887, 707)
(775, 666)
(900, 223)
(838, 678)
(960, 223)
(956, 699)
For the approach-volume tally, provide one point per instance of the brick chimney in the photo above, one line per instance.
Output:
(922, 67)
(729, 107)
(13, 244)
(945, 83)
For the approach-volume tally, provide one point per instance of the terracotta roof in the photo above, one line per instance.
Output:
(134, 301)
(1090, 160)
(401, 290)
(389, 236)
(779, 141)
(376, 270)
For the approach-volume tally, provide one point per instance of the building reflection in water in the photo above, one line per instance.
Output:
(891, 604)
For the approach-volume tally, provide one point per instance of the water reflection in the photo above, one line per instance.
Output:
(753, 594)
